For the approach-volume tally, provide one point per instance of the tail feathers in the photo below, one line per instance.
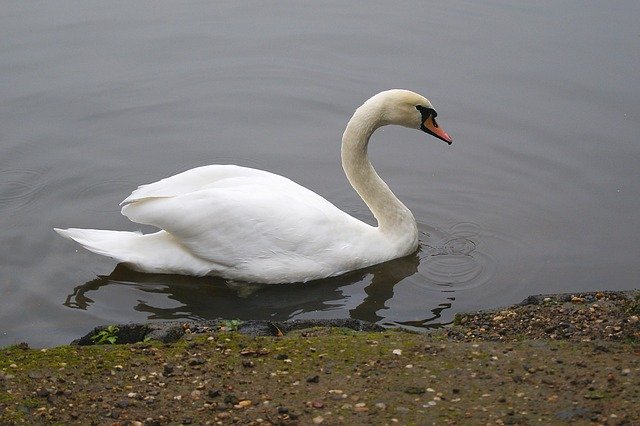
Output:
(155, 253)
(113, 244)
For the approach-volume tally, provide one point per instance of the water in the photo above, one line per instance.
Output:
(538, 193)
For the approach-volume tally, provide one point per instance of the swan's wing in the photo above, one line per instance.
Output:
(194, 180)
(243, 218)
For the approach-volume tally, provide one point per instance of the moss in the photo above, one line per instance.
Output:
(633, 306)
(457, 320)
(406, 373)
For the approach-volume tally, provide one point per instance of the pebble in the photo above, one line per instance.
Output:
(397, 352)
(415, 390)
(243, 404)
(35, 375)
(318, 419)
(196, 361)
(43, 392)
(360, 407)
(122, 404)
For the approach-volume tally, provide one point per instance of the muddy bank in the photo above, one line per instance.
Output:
(550, 360)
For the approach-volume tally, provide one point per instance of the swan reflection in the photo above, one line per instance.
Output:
(365, 294)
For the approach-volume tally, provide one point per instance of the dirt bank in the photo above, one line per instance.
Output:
(554, 359)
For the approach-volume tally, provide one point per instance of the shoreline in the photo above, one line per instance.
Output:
(553, 359)
(171, 331)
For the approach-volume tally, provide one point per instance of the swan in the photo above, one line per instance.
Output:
(245, 224)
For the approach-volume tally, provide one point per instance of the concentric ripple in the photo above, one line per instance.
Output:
(18, 188)
(451, 260)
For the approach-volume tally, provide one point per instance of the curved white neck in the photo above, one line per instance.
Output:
(394, 218)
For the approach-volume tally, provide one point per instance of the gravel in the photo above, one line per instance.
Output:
(553, 359)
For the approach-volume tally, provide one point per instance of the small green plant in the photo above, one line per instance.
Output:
(633, 306)
(107, 335)
(231, 325)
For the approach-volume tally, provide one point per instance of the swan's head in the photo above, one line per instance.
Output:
(408, 109)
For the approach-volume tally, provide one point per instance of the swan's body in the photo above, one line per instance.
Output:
(250, 225)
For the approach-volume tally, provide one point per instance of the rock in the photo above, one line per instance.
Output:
(360, 407)
(197, 361)
(43, 393)
(165, 332)
(36, 375)
(415, 390)
(122, 404)
(313, 379)
(573, 413)
(244, 403)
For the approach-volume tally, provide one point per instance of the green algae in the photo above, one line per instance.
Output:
(344, 376)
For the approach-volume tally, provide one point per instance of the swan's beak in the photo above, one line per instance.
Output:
(431, 126)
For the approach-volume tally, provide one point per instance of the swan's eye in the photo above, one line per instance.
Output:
(427, 112)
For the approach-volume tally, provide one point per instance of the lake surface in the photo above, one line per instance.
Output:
(538, 193)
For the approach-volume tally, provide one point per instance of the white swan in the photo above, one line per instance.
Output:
(250, 225)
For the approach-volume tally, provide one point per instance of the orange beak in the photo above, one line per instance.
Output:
(432, 128)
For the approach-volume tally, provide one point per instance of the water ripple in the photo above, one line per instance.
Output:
(18, 188)
(450, 260)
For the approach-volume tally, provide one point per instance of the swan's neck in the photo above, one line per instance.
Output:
(394, 218)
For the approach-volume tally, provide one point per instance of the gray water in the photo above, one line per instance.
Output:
(538, 193)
